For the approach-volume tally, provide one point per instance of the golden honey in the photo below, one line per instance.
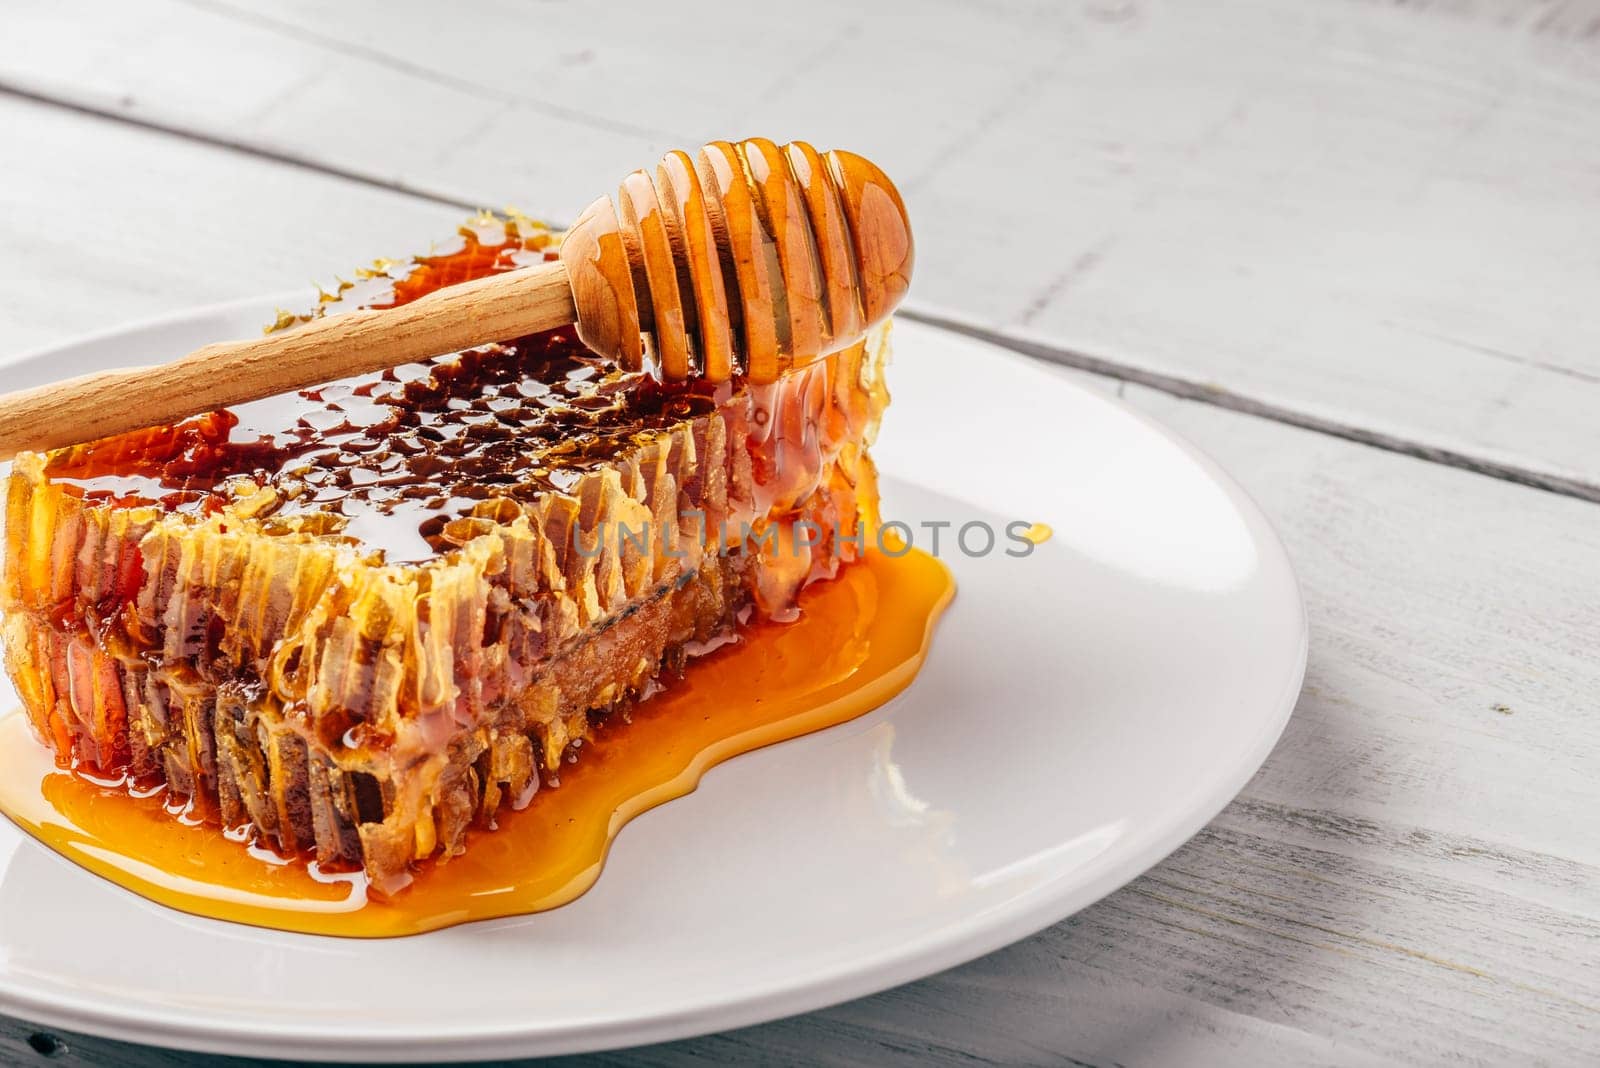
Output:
(859, 640)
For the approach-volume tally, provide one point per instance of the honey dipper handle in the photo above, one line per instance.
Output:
(497, 308)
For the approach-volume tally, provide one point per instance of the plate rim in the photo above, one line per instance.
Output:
(949, 946)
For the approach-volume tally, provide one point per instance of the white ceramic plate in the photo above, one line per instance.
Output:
(1086, 710)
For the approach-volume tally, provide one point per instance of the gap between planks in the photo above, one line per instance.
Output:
(1222, 397)
(9, 88)
(1175, 385)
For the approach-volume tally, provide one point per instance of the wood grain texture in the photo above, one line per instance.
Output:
(149, 225)
(1377, 214)
(1414, 875)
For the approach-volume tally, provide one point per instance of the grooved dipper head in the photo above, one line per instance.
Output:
(748, 259)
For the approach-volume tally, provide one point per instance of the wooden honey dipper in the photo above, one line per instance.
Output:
(748, 259)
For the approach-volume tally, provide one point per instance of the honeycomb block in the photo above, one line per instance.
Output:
(358, 621)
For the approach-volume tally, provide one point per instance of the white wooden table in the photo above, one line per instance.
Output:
(1350, 247)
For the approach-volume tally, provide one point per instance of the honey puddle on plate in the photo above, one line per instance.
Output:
(860, 640)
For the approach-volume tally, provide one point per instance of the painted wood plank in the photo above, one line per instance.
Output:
(1412, 877)
(103, 223)
(1383, 215)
